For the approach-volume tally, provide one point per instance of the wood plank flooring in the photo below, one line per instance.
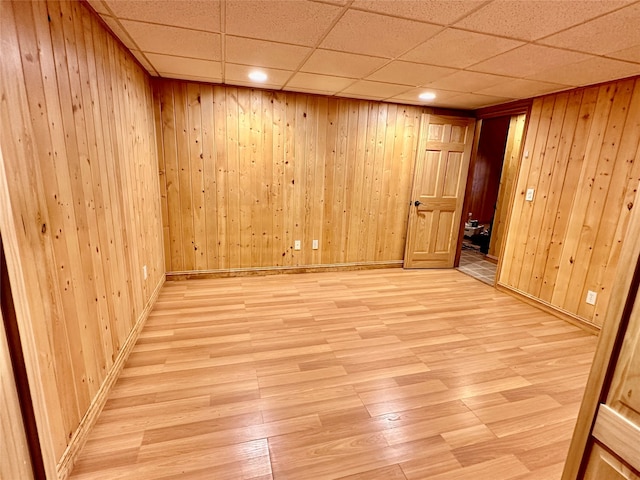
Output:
(376, 374)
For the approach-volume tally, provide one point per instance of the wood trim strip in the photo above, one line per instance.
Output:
(68, 459)
(238, 272)
(547, 307)
(618, 434)
(507, 109)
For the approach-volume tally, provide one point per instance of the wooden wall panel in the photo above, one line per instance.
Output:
(584, 164)
(79, 154)
(246, 172)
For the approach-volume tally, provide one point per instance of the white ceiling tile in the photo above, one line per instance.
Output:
(174, 41)
(410, 74)
(308, 90)
(593, 70)
(445, 48)
(145, 63)
(361, 97)
(442, 12)
(193, 78)
(119, 32)
(630, 54)
(375, 89)
(178, 13)
(473, 100)
(167, 64)
(411, 96)
(467, 82)
(342, 64)
(376, 35)
(468, 65)
(247, 51)
(299, 22)
(527, 60)
(520, 88)
(610, 33)
(319, 83)
(239, 75)
(534, 19)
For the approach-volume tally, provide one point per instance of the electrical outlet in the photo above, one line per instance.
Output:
(529, 196)
(296, 245)
(591, 297)
(315, 245)
(144, 271)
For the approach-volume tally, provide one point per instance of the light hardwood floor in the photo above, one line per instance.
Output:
(378, 374)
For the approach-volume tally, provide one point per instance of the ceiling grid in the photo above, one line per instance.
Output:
(470, 53)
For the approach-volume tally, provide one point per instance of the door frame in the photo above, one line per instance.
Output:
(421, 146)
(519, 107)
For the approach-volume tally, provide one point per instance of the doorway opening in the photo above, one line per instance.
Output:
(489, 194)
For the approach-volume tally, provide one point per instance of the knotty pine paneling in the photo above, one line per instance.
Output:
(584, 164)
(79, 153)
(246, 172)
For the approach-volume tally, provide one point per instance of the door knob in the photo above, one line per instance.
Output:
(417, 203)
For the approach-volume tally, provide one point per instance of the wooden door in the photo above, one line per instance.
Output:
(439, 182)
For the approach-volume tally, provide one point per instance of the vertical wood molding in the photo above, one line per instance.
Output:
(584, 165)
(80, 206)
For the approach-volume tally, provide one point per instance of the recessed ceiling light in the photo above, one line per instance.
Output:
(427, 96)
(258, 76)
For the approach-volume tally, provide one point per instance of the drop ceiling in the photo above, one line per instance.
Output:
(470, 53)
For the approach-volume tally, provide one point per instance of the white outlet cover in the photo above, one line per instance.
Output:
(144, 271)
(529, 196)
(296, 245)
(591, 297)
(315, 244)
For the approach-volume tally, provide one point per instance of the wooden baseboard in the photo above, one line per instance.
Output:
(239, 272)
(68, 459)
(553, 310)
